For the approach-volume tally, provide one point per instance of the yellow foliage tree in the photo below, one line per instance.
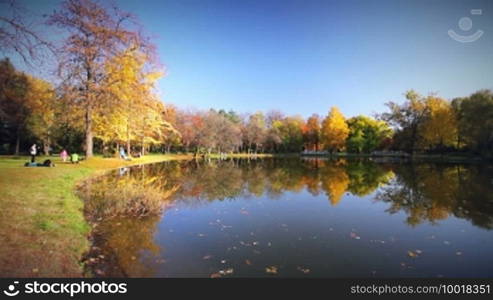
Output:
(40, 102)
(132, 112)
(334, 130)
(440, 127)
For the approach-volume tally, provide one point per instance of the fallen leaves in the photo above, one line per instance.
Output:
(353, 235)
(412, 254)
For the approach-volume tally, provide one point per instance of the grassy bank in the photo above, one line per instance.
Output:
(42, 228)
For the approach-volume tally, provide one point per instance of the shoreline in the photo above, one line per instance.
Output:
(43, 230)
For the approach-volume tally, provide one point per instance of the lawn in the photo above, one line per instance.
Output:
(43, 232)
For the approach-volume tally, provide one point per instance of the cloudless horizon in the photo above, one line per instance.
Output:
(302, 57)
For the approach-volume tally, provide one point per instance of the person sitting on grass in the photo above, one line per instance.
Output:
(74, 158)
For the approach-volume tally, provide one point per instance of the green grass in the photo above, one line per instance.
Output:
(42, 227)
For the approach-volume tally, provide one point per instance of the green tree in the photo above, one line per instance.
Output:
(407, 118)
(366, 134)
(475, 114)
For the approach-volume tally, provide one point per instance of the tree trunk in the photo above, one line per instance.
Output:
(89, 134)
(142, 151)
(18, 141)
(46, 147)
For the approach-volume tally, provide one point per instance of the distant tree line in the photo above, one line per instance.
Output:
(103, 97)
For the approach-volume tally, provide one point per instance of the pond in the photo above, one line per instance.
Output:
(294, 218)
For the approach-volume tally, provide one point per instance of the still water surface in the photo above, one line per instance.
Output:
(298, 218)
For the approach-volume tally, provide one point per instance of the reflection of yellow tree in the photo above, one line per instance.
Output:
(129, 244)
(335, 180)
(135, 195)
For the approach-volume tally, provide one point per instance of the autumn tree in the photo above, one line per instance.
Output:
(95, 35)
(407, 119)
(311, 132)
(255, 132)
(439, 129)
(218, 133)
(289, 130)
(42, 106)
(189, 124)
(334, 130)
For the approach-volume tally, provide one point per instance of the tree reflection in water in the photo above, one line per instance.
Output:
(125, 246)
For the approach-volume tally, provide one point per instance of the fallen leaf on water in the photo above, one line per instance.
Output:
(207, 257)
(271, 270)
(304, 270)
(248, 262)
(227, 271)
(412, 254)
(354, 236)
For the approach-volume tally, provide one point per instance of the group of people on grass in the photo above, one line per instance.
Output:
(64, 155)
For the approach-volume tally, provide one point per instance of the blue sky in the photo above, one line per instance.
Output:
(303, 57)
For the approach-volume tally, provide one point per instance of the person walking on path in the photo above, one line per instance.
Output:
(33, 151)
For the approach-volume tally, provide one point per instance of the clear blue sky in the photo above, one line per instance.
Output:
(304, 56)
